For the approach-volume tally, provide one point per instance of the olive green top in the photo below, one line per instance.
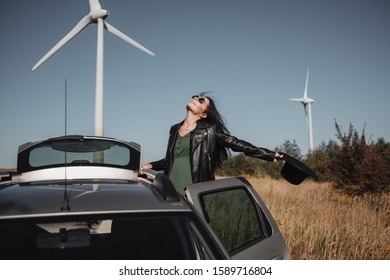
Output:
(180, 174)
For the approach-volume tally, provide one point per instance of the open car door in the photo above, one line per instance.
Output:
(239, 218)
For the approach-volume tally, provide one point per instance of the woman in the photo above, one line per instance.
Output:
(199, 144)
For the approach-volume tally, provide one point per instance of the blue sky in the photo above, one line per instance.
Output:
(251, 54)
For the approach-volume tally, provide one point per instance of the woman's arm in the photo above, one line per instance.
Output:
(247, 148)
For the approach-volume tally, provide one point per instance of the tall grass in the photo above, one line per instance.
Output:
(319, 223)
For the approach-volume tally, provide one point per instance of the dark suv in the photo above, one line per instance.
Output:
(79, 197)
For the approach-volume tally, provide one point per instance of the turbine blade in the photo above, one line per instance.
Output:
(306, 115)
(297, 99)
(76, 30)
(305, 107)
(123, 36)
(307, 81)
(94, 5)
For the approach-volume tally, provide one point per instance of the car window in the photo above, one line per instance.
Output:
(140, 237)
(233, 216)
(45, 155)
(78, 151)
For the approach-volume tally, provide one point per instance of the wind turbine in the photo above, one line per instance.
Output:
(306, 101)
(96, 15)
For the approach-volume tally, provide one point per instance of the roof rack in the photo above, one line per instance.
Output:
(9, 177)
(5, 176)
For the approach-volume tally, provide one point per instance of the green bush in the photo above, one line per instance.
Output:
(322, 159)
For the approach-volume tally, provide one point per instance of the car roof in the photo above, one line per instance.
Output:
(75, 198)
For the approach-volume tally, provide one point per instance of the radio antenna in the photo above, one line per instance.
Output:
(66, 109)
(65, 203)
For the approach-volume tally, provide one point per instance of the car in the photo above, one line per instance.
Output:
(82, 197)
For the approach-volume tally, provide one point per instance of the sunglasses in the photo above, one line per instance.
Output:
(200, 99)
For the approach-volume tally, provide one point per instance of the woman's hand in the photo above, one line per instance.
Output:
(144, 166)
(278, 157)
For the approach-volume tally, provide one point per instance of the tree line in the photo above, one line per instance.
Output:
(353, 164)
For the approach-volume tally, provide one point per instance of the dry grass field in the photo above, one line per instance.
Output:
(318, 223)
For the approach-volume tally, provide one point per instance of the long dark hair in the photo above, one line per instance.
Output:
(214, 116)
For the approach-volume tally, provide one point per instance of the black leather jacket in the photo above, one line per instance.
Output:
(203, 142)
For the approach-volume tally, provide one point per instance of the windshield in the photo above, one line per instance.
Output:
(131, 237)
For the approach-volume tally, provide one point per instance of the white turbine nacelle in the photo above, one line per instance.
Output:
(306, 101)
(96, 15)
(97, 11)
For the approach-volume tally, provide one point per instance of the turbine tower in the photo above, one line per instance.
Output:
(306, 101)
(96, 15)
